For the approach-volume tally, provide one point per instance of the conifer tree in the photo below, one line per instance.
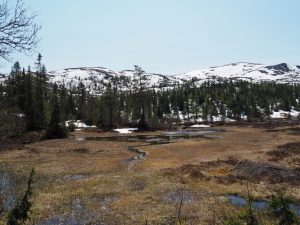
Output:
(20, 213)
(70, 110)
(28, 102)
(81, 103)
(140, 86)
(39, 94)
(109, 100)
(56, 128)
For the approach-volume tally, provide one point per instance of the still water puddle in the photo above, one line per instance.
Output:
(239, 201)
(159, 139)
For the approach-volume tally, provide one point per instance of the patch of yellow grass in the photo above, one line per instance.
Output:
(104, 173)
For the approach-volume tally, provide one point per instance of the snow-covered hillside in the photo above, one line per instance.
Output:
(282, 73)
(97, 78)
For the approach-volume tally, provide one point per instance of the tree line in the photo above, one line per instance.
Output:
(30, 103)
(33, 103)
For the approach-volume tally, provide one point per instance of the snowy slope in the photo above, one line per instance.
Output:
(96, 79)
(282, 73)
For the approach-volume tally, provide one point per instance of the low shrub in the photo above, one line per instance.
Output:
(57, 132)
(138, 183)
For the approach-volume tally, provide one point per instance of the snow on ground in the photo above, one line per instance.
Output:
(126, 130)
(78, 124)
(184, 118)
(281, 114)
(219, 118)
(200, 126)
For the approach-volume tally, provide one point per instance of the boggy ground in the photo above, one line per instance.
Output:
(101, 182)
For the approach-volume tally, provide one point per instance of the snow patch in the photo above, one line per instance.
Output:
(281, 114)
(126, 130)
(78, 124)
(200, 126)
(220, 118)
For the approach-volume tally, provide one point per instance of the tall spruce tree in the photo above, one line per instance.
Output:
(81, 103)
(28, 102)
(140, 83)
(39, 95)
(56, 128)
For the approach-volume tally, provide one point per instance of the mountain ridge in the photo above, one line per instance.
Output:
(97, 78)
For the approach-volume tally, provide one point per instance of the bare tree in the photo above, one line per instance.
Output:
(18, 30)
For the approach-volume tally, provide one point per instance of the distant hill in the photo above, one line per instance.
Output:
(96, 78)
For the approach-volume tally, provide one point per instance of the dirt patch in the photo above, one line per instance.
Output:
(263, 171)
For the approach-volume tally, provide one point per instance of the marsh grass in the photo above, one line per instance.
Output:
(105, 187)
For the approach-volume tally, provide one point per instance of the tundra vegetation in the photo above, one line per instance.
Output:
(229, 178)
(245, 172)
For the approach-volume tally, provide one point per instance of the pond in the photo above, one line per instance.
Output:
(239, 201)
(159, 139)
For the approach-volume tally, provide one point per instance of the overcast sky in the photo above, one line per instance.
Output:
(165, 36)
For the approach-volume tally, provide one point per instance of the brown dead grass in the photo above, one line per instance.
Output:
(68, 169)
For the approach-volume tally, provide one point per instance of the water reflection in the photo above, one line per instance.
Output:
(162, 138)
